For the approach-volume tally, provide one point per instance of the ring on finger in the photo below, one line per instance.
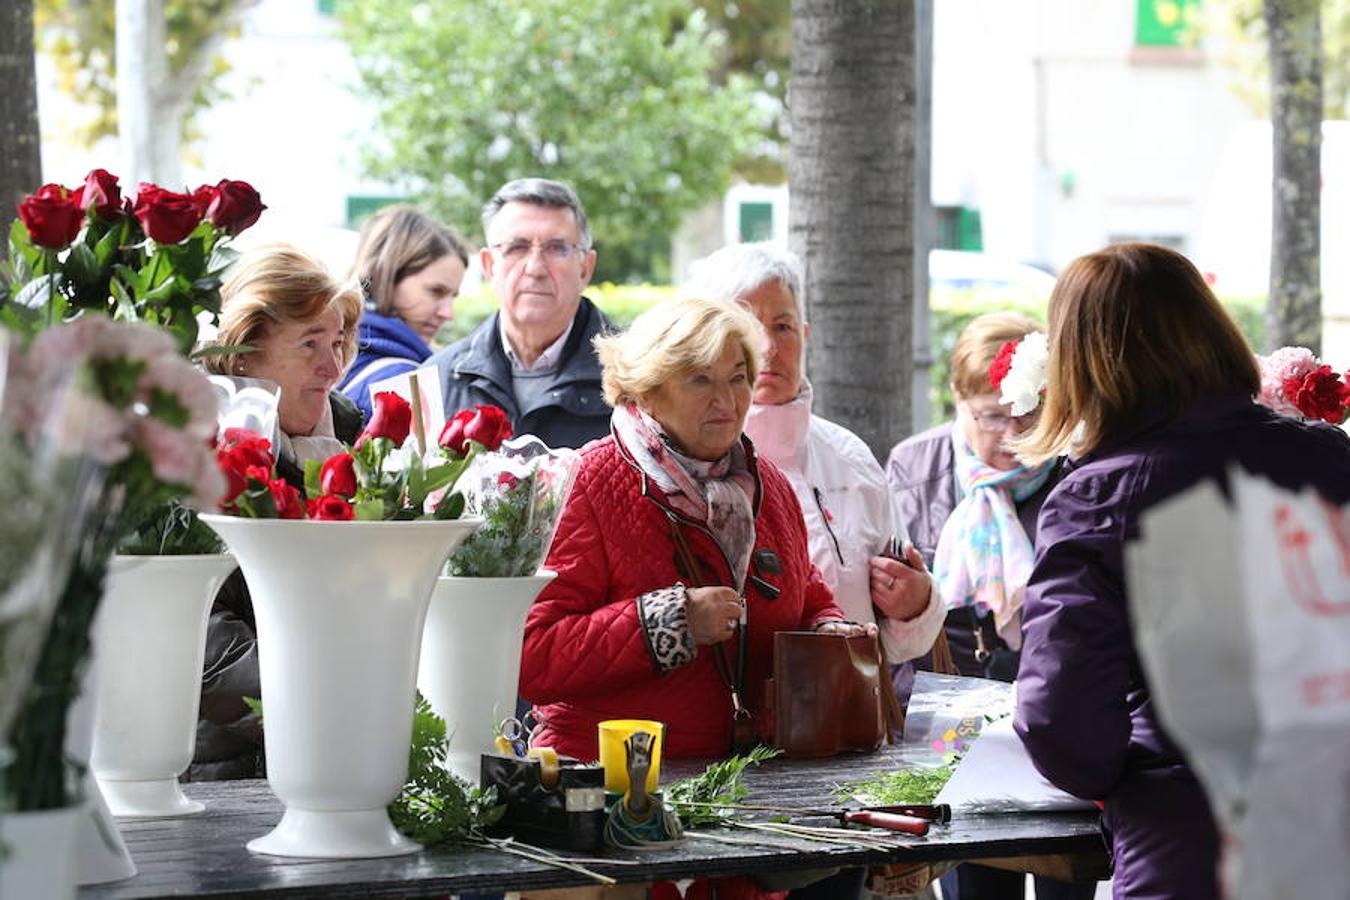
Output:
(731, 624)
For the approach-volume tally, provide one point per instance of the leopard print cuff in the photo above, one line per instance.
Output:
(666, 627)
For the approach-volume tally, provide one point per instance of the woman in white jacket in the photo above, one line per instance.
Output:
(842, 490)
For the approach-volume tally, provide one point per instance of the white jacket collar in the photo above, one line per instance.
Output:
(779, 432)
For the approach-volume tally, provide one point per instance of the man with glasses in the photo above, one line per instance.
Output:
(534, 357)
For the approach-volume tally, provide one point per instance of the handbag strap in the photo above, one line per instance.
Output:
(891, 714)
(734, 681)
(943, 663)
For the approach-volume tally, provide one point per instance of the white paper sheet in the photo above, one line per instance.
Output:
(997, 776)
(430, 397)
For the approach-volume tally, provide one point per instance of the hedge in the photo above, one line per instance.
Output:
(951, 310)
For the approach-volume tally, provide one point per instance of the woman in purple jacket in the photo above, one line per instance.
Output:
(1150, 388)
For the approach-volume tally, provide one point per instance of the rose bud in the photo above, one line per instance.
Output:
(100, 191)
(236, 206)
(489, 426)
(287, 499)
(452, 435)
(167, 217)
(338, 475)
(392, 419)
(329, 508)
(53, 216)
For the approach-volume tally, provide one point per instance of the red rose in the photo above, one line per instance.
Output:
(234, 206)
(100, 191)
(506, 481)
(488, 425)
(392, 419)
(338, 475)
(329, 508)
(202, 197)
(167, 217)
(252, 448)
(53, 216)
(1318, 395)
(287, 499)
(1002, 364)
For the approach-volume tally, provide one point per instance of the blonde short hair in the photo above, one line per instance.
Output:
(1134, 329)
(979, 343)
(671, 339)
(276, 284)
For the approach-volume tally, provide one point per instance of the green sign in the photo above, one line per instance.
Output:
(1165, 23)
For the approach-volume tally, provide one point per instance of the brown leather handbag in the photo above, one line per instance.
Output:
(829, 694)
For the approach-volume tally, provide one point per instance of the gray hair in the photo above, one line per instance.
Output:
(738, 269)
(540, 192)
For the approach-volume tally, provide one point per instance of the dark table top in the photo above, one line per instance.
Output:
(204, 855)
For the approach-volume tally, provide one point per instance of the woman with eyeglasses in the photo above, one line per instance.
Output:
(971, 509)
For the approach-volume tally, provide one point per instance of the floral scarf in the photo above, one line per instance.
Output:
(984, 556)
(717, 494)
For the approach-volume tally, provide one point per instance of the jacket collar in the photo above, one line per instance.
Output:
(1159, 421)
(779, 431)
(487, 359)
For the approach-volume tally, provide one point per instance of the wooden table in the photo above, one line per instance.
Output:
(204, 855)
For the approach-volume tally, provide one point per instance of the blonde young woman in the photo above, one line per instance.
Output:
(410, 268)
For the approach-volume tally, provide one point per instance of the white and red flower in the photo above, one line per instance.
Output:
(1018, 372)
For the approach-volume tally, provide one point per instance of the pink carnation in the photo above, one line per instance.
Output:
(1284, 365)
(178, 458)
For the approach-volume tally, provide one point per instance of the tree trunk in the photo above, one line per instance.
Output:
(851, 102)
(149, 128)
(20, 139)
(1294, 308)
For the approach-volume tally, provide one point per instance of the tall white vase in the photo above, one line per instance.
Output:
(340, 608)
(470, 672)
(39, 850)
(150, 636)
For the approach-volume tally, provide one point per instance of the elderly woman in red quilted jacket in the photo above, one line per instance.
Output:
(625, 631)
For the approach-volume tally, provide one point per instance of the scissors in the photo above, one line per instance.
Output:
(513, 734)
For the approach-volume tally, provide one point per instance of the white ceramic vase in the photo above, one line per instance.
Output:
(101, 856)
(470, 671)
(150, 635)
(340, 608)
(39, 852)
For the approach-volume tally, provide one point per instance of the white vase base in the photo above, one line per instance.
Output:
(322, 834)
(147, 799)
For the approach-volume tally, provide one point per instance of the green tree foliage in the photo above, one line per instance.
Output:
(1236, 29)
(614, 97)
(758, 45)
(80, 35)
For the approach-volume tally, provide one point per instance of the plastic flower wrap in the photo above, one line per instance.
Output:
(1294, 382)
(145, 416)
(46, 486)
(520, 491)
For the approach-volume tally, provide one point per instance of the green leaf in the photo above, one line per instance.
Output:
(81, 265)
(254, 706)
(451, 506)
(719, 783)
(368, 510)
(107, 246)
(312, 487)
(221, 350)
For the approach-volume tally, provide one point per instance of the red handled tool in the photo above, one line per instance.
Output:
(889, 821)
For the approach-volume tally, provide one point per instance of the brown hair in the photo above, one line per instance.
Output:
(1133, 328)
(273, 284)
(396, 242)
(979, 343)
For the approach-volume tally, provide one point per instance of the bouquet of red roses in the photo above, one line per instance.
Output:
(386, 474)
(156, 257)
